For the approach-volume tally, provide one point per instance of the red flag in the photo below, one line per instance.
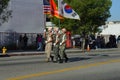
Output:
(54, 10)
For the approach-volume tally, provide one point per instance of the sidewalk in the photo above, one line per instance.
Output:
(72, 50)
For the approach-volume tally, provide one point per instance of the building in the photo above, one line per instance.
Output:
(111, 28)
(27, 17)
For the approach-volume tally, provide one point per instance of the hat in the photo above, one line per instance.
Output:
(63, 29)
(49, 28)
(56, 28)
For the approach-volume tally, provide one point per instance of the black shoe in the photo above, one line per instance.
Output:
(60, 61)
(52, 58)
(55, 61)
(66, 60)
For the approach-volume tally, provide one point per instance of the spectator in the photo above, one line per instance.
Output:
(102, 41)
(20, 42)
(112, 42)
(98, 42)
(25, 41)
(39, 42)
(73, 43)
(118, 41)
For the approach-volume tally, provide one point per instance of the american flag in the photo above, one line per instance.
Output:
(46, 7)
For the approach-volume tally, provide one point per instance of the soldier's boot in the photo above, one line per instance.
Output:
(57, 58)
(47, 60)
(66, 59)
(61, 61)
(52, 58)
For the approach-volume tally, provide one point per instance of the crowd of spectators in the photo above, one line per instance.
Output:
(39, 42)
(97, 42)
(94, 42)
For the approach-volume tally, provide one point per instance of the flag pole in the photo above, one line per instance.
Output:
(59, 23)
(59, 13)
(44, 16)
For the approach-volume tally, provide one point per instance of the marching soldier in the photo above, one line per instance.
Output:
(56, 44)
(48, 46)
(63, 46)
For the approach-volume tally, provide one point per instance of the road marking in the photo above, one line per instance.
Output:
(64, 70)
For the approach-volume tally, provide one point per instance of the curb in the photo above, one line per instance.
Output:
(9, 54)
(6, 55)
(30, 53)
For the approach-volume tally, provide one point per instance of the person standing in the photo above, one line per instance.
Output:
(39, 42)
(48, 46)
(62, 47)
(25, 41)
(118, 41)
(20, 42)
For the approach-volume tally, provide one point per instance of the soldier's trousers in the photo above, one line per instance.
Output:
(48, 49)
(56, 52)
(62, 52)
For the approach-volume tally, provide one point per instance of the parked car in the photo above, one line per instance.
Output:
(77, 40)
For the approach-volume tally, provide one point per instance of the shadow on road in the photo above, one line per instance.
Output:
(74, 59)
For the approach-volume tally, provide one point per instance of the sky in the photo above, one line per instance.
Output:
(115, 11)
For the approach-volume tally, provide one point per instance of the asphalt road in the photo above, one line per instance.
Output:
(81, 66)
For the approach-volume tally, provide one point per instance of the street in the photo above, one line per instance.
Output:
(81, 66)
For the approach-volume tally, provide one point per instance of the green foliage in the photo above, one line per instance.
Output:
(4, 12)
(93, 13)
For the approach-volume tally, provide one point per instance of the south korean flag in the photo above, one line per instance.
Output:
(67, 12)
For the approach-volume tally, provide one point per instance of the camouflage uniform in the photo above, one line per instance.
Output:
(56, 46)
(63, 47)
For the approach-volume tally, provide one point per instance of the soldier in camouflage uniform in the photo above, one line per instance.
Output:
(56, 44)
(63, 46)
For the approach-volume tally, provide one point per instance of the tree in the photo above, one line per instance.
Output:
(93, 13)
(4, 12)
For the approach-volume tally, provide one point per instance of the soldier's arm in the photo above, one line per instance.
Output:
(50, 38)
(65, 38)
(58, 40)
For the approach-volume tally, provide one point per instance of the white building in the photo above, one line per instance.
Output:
(27, 17)
(111, 28)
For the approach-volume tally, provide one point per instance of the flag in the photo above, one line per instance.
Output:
(54, 10)
(66, 11)
(46, 7)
